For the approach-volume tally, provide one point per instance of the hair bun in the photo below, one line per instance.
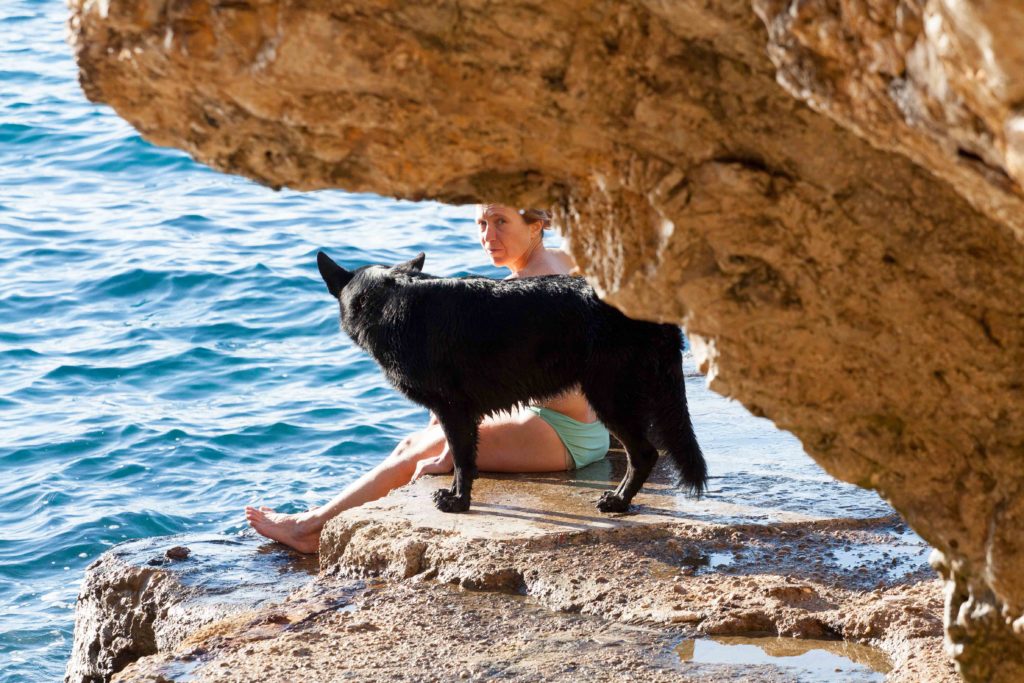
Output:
(535, 215)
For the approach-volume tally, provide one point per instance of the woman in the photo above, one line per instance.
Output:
(561, 434)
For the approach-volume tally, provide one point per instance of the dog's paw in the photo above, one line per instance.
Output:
(609, 502)
(446, 501)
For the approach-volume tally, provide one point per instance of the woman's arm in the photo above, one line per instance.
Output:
(439, 464)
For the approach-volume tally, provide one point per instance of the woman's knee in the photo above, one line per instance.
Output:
(406, 443)
(418, 446)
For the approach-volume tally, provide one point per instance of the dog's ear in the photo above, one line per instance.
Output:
(334, 275)
(413, 266)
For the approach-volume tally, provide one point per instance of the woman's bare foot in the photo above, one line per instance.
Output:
(292, 530)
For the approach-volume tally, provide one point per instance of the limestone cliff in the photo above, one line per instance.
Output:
(845, 250)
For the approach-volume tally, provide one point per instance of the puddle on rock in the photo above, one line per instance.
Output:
(861, 554)
(222, 574)
(804, 660)
(898, 553)
(180, 670)
(703, 563)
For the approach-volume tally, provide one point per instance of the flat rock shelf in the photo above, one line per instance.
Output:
(531, 584)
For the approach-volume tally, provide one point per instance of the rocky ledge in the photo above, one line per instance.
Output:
(532, 584)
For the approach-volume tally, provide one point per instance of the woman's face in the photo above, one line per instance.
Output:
(504, 235)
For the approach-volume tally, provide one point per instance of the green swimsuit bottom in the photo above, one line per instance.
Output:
(586, 442)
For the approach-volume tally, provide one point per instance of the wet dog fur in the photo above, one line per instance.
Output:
(469, 347)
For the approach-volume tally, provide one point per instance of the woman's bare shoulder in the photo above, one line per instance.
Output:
(567, 260)
(562, 261)
(553, 262)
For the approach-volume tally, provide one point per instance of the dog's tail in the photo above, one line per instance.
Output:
(672, 432)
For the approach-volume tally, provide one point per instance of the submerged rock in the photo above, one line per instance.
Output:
(848, 261)
(178, 552)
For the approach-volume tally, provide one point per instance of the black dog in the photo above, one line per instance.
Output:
(469, 347)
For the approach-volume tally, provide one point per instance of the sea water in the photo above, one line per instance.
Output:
(169, 354)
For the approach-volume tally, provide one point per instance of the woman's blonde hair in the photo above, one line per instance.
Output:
(535, 215)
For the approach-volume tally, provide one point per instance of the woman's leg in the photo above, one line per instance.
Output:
(520, 442)
(516, 442)
(302, 531)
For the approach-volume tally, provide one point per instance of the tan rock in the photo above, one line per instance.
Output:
(855, 277)
(593, 596)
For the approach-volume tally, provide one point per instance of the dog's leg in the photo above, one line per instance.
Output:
(622, 484)
(461, 432)
(641, 456)
(621, 414)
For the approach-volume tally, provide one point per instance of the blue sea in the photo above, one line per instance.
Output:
(169, 354)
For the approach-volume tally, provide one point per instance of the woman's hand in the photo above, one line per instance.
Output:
(440, 464)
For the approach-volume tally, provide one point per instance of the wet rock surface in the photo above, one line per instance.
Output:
(531, 585)
(844, 250)
(146, 596)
